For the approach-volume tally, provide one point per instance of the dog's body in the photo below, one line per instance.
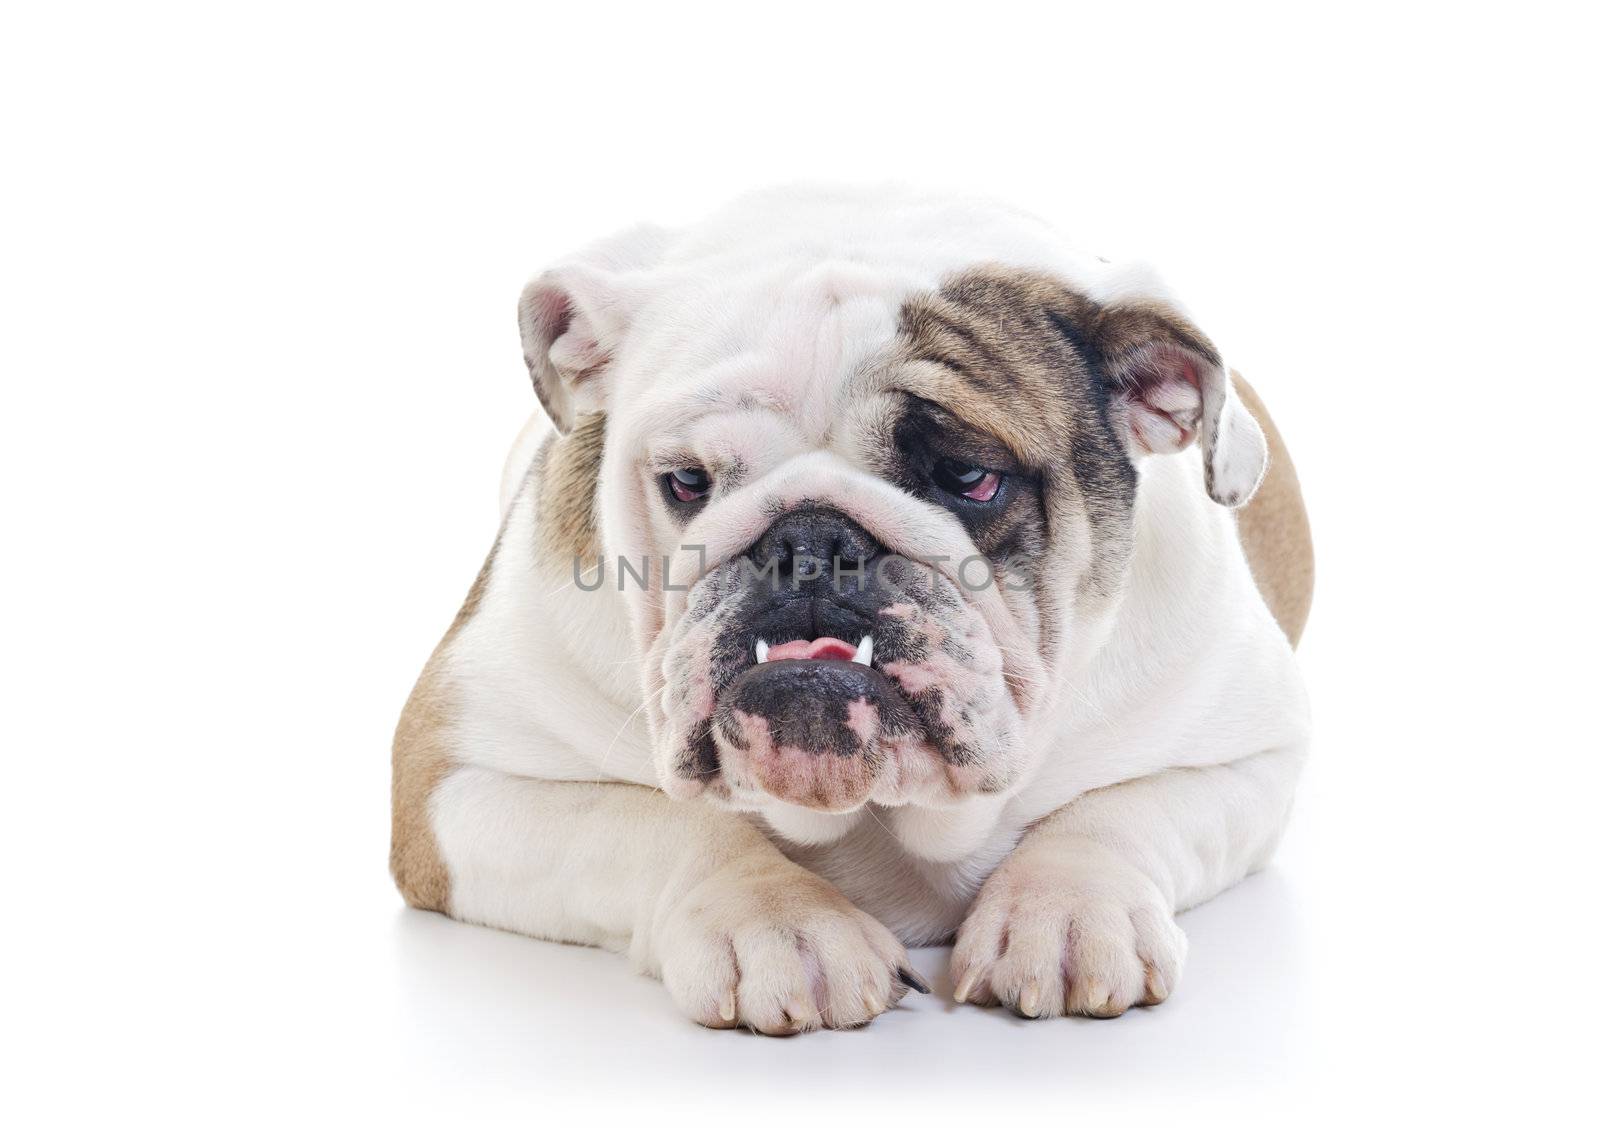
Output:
(1044, 774)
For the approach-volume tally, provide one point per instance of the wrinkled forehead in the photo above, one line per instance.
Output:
(762, 326)
(772, 351)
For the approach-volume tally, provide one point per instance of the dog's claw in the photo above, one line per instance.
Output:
(1028, 1004)
(914, 980)
(968, 981)
(801, 1012)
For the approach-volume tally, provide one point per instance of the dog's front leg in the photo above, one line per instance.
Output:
(739, 933)
(1079, 918)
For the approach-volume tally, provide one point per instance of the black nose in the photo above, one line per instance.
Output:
(811, 544)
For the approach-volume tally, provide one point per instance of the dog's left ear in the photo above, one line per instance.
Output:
(574, 316)
(1170, 383)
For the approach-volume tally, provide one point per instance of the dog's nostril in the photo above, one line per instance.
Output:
(808, 542)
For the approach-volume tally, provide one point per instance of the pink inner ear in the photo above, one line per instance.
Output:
(1164, 366)
(1164, 402)
(552, 311)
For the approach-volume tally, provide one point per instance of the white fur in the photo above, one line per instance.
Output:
(1165, 762)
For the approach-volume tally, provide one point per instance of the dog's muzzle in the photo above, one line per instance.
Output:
(811, 720)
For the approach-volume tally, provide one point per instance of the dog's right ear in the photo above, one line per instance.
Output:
(574, 316)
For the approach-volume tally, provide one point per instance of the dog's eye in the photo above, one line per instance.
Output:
(689, 484)
(970, 481)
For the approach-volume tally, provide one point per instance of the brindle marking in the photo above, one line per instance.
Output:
(1015, 358)
(1023, 359)
(1007, 358)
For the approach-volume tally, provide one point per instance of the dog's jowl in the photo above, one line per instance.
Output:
(878, 571)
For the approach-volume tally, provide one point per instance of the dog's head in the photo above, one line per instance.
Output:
(868, 483)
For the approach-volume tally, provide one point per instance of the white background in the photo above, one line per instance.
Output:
(260, 367)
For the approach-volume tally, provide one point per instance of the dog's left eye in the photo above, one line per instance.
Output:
(689, 484)
(970, 481)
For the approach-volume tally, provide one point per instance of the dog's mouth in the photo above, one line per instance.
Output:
(813, 723)
(877, 685)
(824, 647)
(832, 706)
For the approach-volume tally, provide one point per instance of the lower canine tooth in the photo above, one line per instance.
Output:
(761, 650)
(864, 651)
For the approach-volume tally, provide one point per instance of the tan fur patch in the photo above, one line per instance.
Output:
(998, 364)
(1010, 347)
(568, 472)
(1275, 530)
(1011, 353)
(421, 758)
(1008, 351)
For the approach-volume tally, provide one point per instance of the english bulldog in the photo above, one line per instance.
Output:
(881, 570)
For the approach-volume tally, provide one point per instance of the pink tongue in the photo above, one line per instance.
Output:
(824, 648)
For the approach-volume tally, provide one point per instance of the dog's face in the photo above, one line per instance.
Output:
(866, 502)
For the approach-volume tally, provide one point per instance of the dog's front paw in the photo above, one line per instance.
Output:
(1066, 927)
(778, 949)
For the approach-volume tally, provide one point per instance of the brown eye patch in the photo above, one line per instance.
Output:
(1014, 354)
(967, 481)
(941, 459)
(1021, 357)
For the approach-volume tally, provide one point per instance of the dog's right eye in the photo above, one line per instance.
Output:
(962, 479)
(688, 485)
